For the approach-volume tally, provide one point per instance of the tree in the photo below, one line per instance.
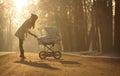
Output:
(117, 27)
(2, 27)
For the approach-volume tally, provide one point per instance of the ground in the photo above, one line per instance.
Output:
(68, 65)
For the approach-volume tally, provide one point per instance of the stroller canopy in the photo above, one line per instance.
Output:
(52, 35)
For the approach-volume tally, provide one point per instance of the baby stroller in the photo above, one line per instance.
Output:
(49, 40)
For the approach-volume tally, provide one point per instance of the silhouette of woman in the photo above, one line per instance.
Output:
(23, 30)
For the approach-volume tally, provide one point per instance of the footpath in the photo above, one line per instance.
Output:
(94, 54)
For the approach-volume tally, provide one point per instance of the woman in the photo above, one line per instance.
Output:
(23, 30)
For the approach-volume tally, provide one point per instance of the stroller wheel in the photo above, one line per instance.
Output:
(42, 55)
(57, 54)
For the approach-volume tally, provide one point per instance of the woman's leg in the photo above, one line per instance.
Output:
(21, 48)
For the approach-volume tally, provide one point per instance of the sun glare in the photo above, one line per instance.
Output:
(23, 9)
(20, 4)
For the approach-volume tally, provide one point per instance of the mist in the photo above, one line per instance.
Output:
(85, 25)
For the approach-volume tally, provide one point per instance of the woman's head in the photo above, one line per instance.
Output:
(34, 16)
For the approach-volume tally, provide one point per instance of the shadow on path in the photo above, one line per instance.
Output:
(69, 62)
(36, 64)
(62, 61)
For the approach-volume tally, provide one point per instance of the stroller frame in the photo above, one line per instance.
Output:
(49, 52)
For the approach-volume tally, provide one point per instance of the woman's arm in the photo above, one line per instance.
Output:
(32, 34)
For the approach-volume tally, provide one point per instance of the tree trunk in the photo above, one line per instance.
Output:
(117, 27)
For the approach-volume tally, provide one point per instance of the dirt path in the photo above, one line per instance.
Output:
(12, 65)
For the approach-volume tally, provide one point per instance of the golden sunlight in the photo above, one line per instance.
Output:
(19, 4)
(22, 10)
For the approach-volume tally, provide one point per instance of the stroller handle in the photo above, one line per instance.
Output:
(32, 34)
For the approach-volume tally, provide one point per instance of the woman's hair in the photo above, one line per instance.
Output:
(34, 17)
